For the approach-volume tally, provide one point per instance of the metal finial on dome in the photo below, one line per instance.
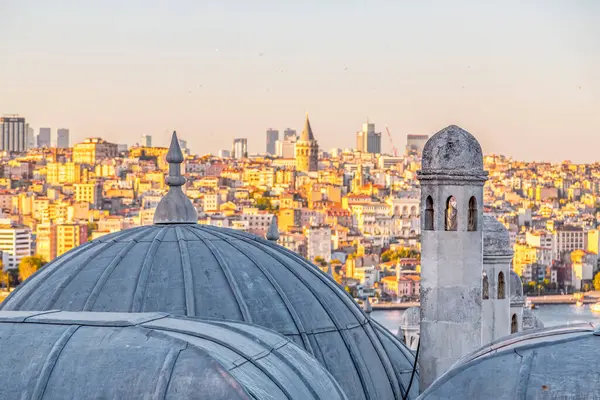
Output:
(175, 207)
(273, 231)
(329, 270)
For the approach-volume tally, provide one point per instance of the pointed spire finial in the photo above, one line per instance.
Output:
(307, 134)
(273, 231)
(175, 207)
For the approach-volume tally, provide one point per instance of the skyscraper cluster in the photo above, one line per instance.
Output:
(367, 140)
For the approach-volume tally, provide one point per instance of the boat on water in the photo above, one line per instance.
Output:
(529, 304)
(579, 303)
(595, 307)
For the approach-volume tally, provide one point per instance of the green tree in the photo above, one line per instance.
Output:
(597, 281)
(263, 203)
(29, 265)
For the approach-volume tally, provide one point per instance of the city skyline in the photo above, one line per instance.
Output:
(520, 76)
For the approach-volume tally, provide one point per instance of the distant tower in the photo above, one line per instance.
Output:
(307, 150)
(272, 138)
(146, 141)
(497, 257)
(239, 149)
(62, 138)
(452, 179)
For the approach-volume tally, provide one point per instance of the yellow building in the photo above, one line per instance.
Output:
(45, 242)
(63, 173)
(90, 193)
(92, 150)
(69, 236)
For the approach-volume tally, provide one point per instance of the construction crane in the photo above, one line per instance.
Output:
(394, 149)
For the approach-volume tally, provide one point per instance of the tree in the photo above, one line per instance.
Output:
(597, 281)
(29, 265)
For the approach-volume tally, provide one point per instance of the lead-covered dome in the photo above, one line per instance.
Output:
(203, 271)
(496, 240)
(452, 149)
(554, 363)
(84, 355)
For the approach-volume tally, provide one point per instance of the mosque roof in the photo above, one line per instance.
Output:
(496, 240)
(210, 272)
(83, 355)
(551, 363)
(452, 149)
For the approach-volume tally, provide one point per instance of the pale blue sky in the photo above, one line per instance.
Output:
(507, 71)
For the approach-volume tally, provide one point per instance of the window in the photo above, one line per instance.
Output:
(472, 214)
(451, 220)
(429, 214)
(486, 287)
(501, 285)
(514, 325)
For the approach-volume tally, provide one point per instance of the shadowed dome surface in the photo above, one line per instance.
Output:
(496, 240)
(179, 359)
(553, 363)
(452, 149)
(203, 271)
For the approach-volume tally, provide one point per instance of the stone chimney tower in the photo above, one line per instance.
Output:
(496, 279)
(452, 179)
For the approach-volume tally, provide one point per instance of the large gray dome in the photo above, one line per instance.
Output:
(554, 363)
(203, 271)
(496, 240)
(452, 149)
(84, 355)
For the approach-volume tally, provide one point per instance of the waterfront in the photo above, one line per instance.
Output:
(550, 314)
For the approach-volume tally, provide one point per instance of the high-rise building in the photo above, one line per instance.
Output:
(62, 138)
(183, 146)
(415, 144)
(44, 138)
(224, 154)
(146, 141)
(286, 148)
(31, 139)
(13, 133)
(15, 241)
(272, 137)
(307, 150)
(289, 134)
(367, 140)
(239, 148)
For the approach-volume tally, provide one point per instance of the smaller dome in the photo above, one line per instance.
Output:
(153, 355)
(452, 148)
(496, 240)
(531, 321)
(551, 363)
(411, 318)
(516, 288)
